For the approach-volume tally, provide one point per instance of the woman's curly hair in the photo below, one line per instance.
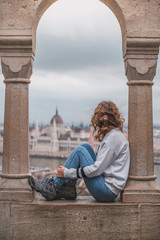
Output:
(106, 117)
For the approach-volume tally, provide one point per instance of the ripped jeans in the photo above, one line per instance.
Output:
(82, 156)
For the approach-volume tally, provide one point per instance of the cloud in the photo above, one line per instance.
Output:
(77, 93)
(77, 35)
(62, 54)
(78, 61)
(73, 83)
(74, 17)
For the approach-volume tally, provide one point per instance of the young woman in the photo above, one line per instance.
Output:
(105, 173)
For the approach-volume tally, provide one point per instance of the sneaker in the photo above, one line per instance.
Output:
(67, 191)
(44, 186)
(36, 185)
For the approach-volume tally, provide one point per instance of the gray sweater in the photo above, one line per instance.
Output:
(112, 162)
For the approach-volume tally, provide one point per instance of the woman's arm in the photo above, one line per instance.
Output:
(105, 157)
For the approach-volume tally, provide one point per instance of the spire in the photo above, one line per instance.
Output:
(56, 111)
(54, 130)
(36, 130)
(37, 126)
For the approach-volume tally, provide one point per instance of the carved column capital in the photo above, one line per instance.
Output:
(141, 58)
(16, 56)
(17, 67)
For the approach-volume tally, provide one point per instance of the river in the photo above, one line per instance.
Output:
(43, 162)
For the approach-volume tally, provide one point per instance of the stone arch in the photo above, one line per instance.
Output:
(112, 5)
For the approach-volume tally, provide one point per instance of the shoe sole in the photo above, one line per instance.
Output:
(31, 183)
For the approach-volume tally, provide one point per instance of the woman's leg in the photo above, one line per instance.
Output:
(73, 161)
(63, 187)
(99, 190)
(84, 156)
(89, 148)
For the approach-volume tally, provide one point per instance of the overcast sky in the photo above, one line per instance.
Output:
(79, 63)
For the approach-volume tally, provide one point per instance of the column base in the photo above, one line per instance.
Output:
(15, 190)
(141, 191)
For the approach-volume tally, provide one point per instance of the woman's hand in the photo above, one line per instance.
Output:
(60, 172)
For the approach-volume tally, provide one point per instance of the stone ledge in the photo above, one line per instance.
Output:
(83, 218)
(81, 200)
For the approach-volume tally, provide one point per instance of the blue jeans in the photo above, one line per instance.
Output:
(84, 156)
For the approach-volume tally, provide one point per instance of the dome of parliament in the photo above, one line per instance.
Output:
(57, 118)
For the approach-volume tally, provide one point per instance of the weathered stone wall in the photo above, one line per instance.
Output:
(140, 25)
(62, 220)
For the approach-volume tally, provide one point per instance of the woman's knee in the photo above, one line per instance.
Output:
(84, 156)
(90, 150)
(85, 145)
(80, 148)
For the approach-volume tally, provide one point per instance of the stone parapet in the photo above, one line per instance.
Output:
(81, 219)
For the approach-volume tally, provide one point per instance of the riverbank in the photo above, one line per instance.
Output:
(50, 156)
(64, 156)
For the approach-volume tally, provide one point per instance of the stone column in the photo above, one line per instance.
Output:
(15, 163)
(140, 63)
